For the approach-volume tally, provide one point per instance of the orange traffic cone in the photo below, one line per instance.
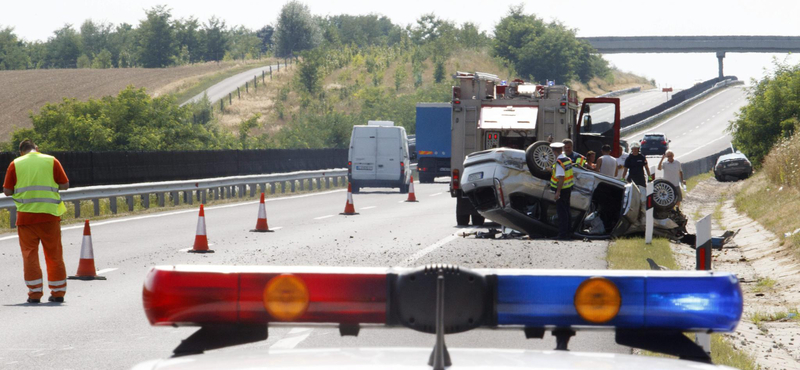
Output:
(261, 224)
(86, 269)
(411, 196)
(349, 209)
(200, 239)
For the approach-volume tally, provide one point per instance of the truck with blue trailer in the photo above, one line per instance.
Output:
(433, 140)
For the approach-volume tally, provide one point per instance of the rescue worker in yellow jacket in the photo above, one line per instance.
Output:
(561, 181)
(33, 180)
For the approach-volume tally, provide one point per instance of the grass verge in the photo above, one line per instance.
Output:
(774, 207)
(204, 83)
(694, 180)
(632, 254)
(87, 207)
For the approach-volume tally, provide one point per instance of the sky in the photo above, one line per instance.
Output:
(36, 20)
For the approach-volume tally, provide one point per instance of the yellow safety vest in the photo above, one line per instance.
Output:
(566, 164)
(581, 161)
(36, 190)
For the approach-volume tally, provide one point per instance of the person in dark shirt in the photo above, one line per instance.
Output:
(636, 165)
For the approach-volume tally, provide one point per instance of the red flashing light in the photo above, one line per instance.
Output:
(196, 296)
(563, 104)
(457, 101)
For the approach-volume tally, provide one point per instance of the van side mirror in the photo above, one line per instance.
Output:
(587, 123)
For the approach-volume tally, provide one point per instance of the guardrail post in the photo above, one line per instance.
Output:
(189, 196)
(303, 184)
(129, 200)
(242, 190)
(270, 73)
(336, 181)
(283, 186)
(12, 218)
(279, 66)
(112, 202)
(77, 205)
(294, 185)
(319, 183)
(96, 204)
(272, 187)
(175, 200)
(161, 202)
(215, 193)
(263, 188)
(203, 194)
(146, 200)
(239, 92)
(253, 188)
(247, 86)
(327, 182)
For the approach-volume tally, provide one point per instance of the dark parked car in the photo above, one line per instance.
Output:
(654, 144)
(734, 166)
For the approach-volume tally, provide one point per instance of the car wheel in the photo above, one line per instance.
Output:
(540, 159)
(665, 195)
(478, 220)
(462, 220)
(403, 188)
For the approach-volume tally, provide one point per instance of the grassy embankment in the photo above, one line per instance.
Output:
(632, 254)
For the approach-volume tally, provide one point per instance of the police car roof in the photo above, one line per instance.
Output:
(417, 358)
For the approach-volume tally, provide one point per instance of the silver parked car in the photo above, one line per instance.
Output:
(499, 184)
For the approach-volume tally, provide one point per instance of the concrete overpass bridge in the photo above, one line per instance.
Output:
(695, 44)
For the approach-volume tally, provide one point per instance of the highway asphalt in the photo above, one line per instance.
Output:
(224, 87)
(102, 324)
(699, 131)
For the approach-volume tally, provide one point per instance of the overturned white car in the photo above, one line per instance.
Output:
(500, 185)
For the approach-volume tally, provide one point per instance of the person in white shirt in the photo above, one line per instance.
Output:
(621, 161)
(673, 173)
(606, 164)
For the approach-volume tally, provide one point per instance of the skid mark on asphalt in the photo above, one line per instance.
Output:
(422, 252)
(292, 339)
(186, 211)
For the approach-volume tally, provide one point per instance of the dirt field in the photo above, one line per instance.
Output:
(25, 91)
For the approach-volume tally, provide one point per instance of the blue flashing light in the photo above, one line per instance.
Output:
(682, 301)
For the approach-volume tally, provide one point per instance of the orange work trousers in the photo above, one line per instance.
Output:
(49, 233)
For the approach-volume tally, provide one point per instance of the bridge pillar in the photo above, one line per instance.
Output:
(720, 56)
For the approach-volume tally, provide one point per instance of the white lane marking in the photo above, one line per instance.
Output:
(323, 217)
(698, 126)
(631, 137)
(184, 249)
(370, 207)
(435, 194)
(702, 146)
(103, 271)
(422, 252)
(292, 339)
(402, 201)
(276, 228)
(194, 210)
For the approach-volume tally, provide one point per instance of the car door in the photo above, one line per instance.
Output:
(388, 154)
(365, 142)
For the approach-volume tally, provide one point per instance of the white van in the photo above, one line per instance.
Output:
(379, 157)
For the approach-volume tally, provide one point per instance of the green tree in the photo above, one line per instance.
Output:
(123, 45)
(309, 72)
(400, 76)
(84, 61)
(156, 38)
(438, 70)
(12, 51)
(772, 112)
(265, 34)
(64, 48)
(94, 36)
(215, 39)
(102, 60)
(189, 36)
(296, 30)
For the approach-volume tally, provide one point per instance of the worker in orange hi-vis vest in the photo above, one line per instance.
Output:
(33, 180)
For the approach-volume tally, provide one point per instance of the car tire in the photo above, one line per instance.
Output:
(665, 195)
(478, 220)
(540, 160)
(462, 220)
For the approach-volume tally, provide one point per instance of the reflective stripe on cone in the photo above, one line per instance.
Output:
(86, 269)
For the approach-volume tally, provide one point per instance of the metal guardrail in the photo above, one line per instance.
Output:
(652, 119)
(621, 92)
(191, 190)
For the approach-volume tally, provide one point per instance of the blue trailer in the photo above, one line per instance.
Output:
(433, 140)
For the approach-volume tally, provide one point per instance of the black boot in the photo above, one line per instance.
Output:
(31, 300)
(56, 299)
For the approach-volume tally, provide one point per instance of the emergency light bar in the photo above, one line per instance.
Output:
(695, 301)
